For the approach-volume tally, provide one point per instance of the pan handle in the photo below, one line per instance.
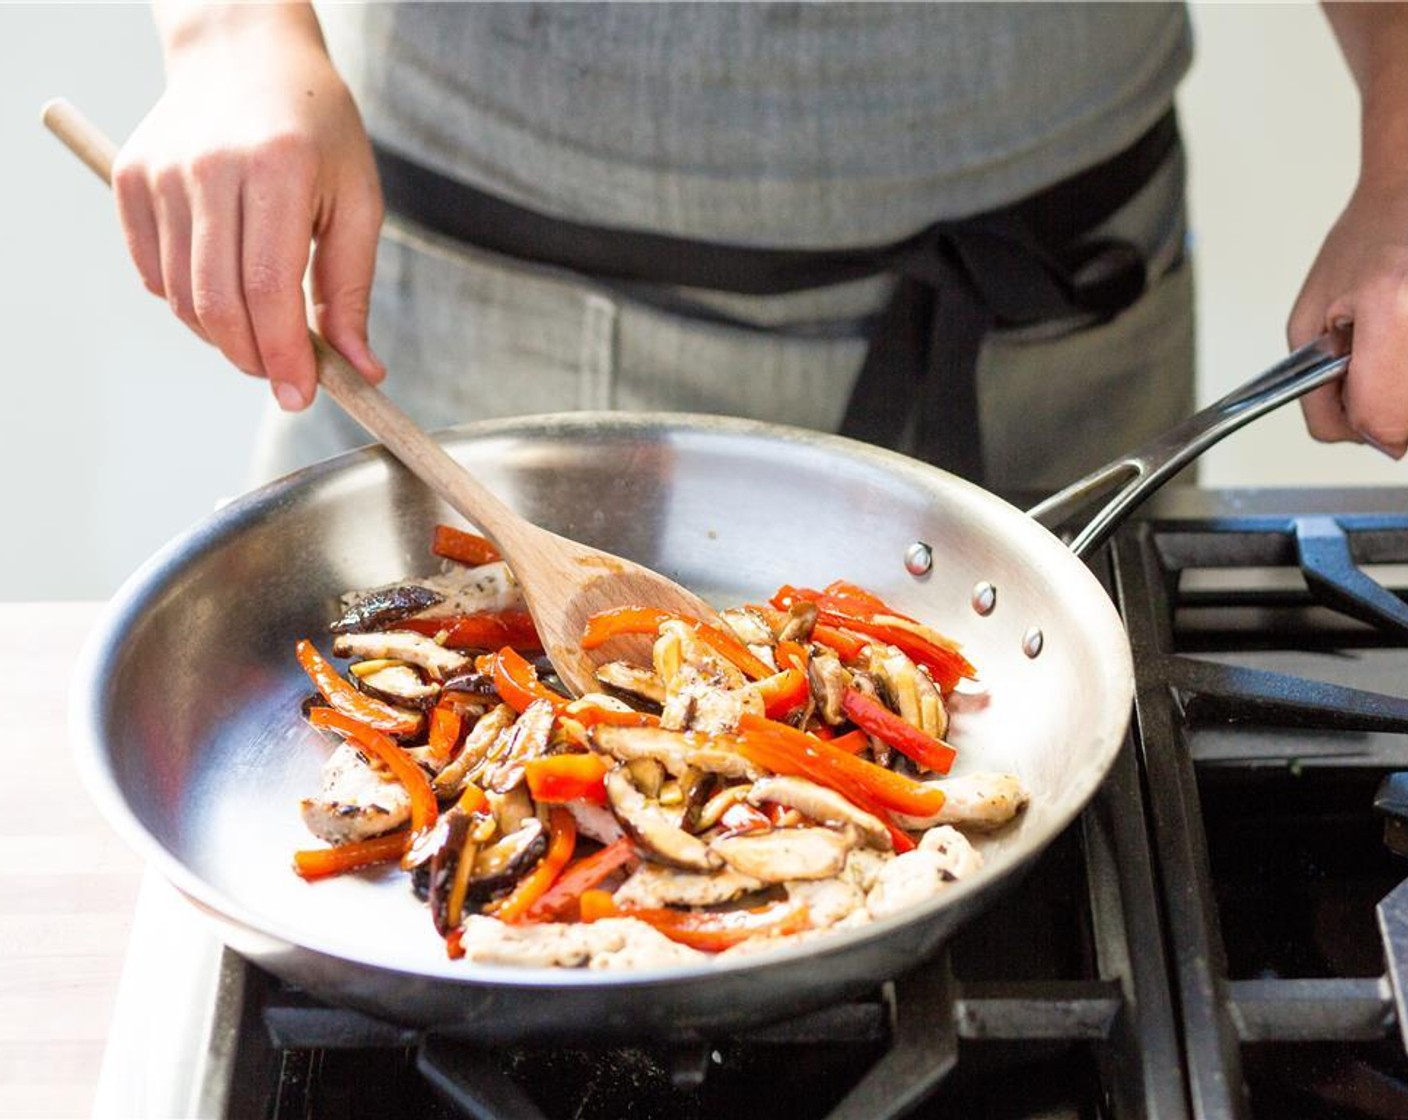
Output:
(1128, 480)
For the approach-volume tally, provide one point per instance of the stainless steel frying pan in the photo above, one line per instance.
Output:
(185, 706)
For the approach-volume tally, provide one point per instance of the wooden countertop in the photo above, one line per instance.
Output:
(67, 884)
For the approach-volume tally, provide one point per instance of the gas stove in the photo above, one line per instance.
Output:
(1223, 933)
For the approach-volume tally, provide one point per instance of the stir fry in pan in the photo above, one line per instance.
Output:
(766, 779)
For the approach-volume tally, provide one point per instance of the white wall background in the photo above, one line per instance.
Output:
(119, 430)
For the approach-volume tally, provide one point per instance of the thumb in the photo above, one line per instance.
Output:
(343, 264)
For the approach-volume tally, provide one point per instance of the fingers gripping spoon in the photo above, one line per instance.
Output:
(563, 582)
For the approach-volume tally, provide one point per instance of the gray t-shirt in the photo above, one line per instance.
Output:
(797, 125)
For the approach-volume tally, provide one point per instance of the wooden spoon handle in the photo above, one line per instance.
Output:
(365, 403)
(427, 460)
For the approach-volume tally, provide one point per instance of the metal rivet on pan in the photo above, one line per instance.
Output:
(918, 559)
(1032, 641)
(984, 597)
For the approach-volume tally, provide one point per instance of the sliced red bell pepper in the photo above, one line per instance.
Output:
(783, 692)
(846, 646)
(346, 699)
(708, 931)
(561, 778)
(591, 715)
(320, 863)
(873, 717)
(839, 595)
(894, 791)
(563, 897)
(605, 625)
(784, 757)
(424, 807)
(945, 663)
(445, 727)
(517, 682)
(463, 547)
(595, 904)
(845, 606)
(563, 832)
(791, 655)
(472, 799)
(852, 742)
(482, 630)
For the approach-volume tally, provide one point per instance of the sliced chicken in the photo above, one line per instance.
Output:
(942, 858)
(828, 901)
(979, 802)
(355, 802)
(608, 944)
(651, 885)
(748, 626)
(786, 853)
(489, 587)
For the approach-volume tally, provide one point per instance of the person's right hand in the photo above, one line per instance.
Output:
(254, 152)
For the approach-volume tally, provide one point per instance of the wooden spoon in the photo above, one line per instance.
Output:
(563, 582)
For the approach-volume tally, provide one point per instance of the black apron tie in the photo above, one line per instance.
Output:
(958, 280)
(917, 391)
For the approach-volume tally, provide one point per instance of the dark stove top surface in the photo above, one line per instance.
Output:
(1223, 933)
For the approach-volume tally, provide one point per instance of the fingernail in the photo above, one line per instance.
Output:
(289, 398)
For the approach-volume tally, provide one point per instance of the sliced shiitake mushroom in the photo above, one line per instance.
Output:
(627, 744)
(396, 682)
(825, 806)
(378, 609)
(799, 623)
(659, 837)
(829, 680)
(403, 645)
(477, 745)
(633, 680)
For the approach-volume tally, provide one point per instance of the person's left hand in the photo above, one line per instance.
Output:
(1361, 277)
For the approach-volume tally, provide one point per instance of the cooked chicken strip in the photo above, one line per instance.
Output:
(489, 587)
(828, 901)
(787, 853)
(980, 802)
(652, 885)
(610, 943)
(355, 802)
(942, 858)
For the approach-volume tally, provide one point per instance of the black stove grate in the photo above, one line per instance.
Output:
(1267, 844)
